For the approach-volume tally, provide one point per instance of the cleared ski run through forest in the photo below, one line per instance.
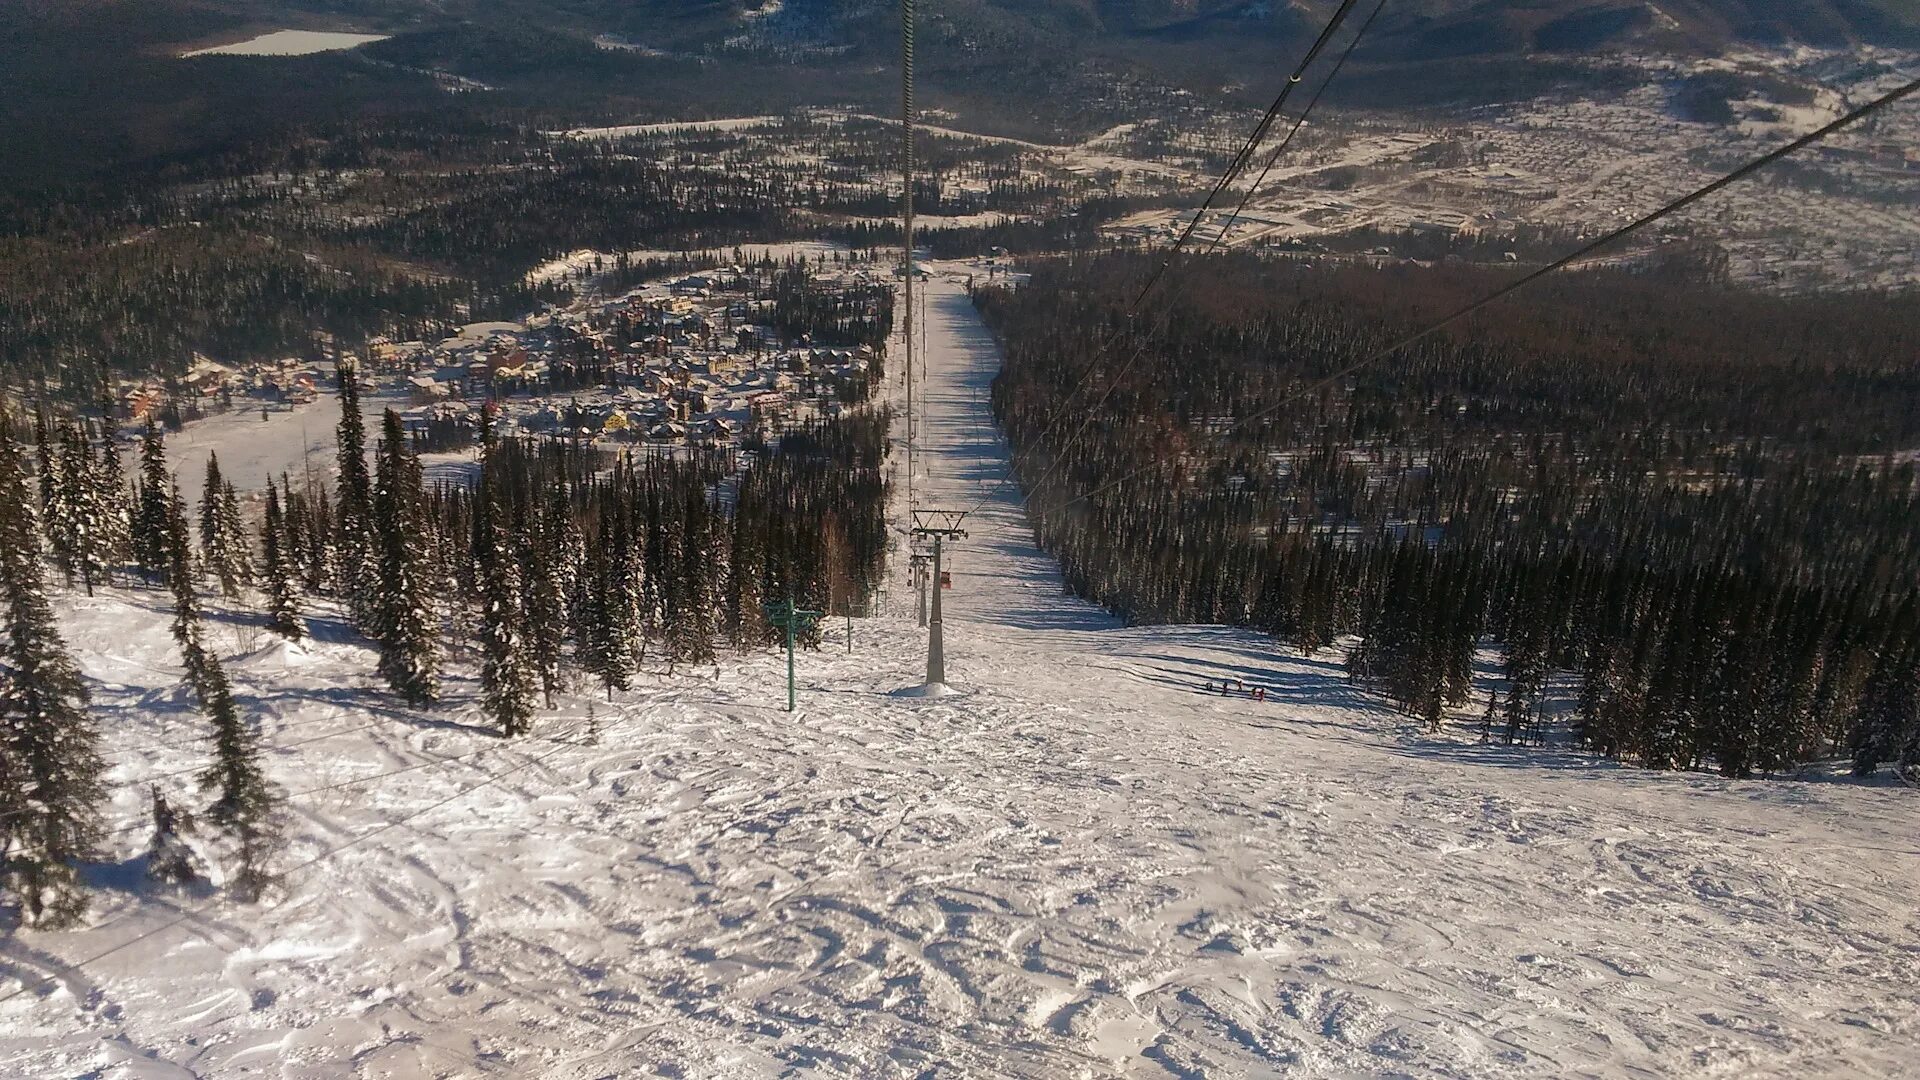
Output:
(1085, 865)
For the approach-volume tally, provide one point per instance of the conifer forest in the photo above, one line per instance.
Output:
(1669, 505)
(960, 539)
(559, 565)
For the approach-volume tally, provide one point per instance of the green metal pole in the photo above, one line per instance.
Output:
(790, 621)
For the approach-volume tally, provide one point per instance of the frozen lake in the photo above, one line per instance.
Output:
(290, 43)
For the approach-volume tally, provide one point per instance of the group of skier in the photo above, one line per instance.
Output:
(1238, 686)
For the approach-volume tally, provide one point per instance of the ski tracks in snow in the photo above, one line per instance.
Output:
(1086, 865)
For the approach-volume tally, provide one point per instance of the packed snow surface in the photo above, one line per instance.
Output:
(255, 443)
(1083, 865)
(291, 43)
(577, 263)
(673, 127)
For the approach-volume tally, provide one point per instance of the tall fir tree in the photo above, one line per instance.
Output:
(235, 565)
(626, 614)
(507, 677)
(746, 611)
(403, 618)
(1888, 712)
(153, 513)
(224, 546)
(552, 556)
(114, 508)
(50, 765)
(354, 558)
(54, 524)
(277, 564)
(323, 548)
(698, 572)
(245, 807)
(210, 493)
(294, 505)
(76, 494)
(56, 515)
(603, 624)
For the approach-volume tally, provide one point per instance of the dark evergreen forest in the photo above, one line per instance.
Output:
(1684, 515)
(557, 564)
(390, 226)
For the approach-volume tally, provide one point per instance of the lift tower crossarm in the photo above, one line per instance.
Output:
(940, 525)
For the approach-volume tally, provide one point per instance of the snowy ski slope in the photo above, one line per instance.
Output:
(1084, 866)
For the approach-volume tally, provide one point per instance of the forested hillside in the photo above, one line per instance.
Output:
(1687, 515)
(558, 563)
(377, 227)
(569, 60)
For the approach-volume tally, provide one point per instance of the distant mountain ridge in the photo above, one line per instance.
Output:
(1415, 29)
(1420, 29)
(87, 84)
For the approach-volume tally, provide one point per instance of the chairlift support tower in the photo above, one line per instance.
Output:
(939, 525)
(920, 561)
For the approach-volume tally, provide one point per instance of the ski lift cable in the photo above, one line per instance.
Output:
(1298, 123)
(1235, 168)
(1245, 157)
(120, 752)
(357, 781)
(32, 983)
(322, 737)
(1876, 105)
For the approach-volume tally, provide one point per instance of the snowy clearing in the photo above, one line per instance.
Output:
(1080, 865)
(578, 263)
(290, 43)
(674, 127)
(254, 443)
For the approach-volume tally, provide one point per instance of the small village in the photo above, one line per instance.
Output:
(710, 360)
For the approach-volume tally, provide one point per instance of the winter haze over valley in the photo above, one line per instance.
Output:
(515, 561)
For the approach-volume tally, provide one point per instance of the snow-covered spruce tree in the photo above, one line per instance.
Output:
(154, 508)
(277, 563)
(115, 510)
(691, 633)
(176, 535)
(210, 509)
(650, 560)
(296, 521)
(1888, 712)
(354, 558)
(552, 556)
(57, 521)
(507, 676)
(56, 527)
(746, 568)
(234, 564)
(601, 645)
(455, 562)
(403, 619)
(323, 550)
(496, 552)
(49, 758)
(627, 610)
(170, 862)
(669, 581)
(245, 806)
(46, 458)
(223, 538)
(74, 495)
